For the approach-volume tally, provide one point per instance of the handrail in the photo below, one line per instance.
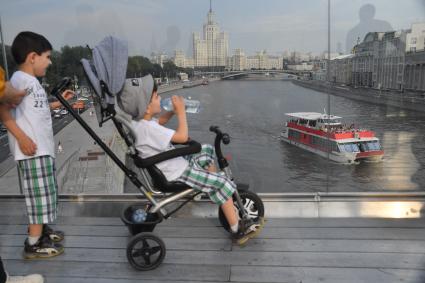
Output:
(268, 197)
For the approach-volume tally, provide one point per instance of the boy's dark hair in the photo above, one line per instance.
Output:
(26, 42)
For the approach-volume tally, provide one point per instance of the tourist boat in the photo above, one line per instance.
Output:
(325, 135)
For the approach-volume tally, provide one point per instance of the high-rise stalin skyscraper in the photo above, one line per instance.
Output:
(212, 49)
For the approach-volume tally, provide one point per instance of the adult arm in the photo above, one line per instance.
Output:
(27, 146)
(9, 94)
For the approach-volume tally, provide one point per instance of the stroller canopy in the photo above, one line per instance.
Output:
(109, 64)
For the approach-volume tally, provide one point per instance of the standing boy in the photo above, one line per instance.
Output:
(11, 96)
(31, 142)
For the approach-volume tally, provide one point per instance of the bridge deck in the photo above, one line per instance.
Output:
(198, 250)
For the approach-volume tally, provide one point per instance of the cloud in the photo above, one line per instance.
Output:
(273, 25)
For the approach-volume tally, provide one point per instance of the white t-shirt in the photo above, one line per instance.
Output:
(152, 139)
(33, 116)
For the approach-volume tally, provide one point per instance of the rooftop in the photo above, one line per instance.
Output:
(312, 115)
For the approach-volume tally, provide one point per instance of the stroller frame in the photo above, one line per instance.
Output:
(145, 245)
(145, 188)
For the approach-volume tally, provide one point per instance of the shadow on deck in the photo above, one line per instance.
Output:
(199, 250)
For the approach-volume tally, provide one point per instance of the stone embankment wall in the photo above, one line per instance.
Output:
(407, 100)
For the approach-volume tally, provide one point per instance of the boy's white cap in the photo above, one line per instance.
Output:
(136, 96)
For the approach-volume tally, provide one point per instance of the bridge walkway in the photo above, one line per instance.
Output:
(332, 250)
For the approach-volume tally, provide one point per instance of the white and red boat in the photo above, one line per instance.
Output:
(326, 136)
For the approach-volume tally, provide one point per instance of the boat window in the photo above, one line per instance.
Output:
(373, 145)
(355, 147)
(294, 134)
(349, 147)
(335, 147)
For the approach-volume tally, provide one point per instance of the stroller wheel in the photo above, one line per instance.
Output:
(252, 204)
(145, 251)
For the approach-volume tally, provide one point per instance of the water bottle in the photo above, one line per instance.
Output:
(192, 106)
(139, 216)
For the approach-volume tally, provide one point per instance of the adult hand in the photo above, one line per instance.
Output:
(178, 104)
(12, 96)
(27, 146)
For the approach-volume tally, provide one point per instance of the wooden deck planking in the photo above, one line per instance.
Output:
(217, 232)
(203, 222)
(244, 258)
(118, 271)
(198, 250)
(328, 275)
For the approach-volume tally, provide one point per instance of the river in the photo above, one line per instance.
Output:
(252, 112)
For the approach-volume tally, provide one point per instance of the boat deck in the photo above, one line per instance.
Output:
(199, 250)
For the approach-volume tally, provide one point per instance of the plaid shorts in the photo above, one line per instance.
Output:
(40, 188)
(218, 187)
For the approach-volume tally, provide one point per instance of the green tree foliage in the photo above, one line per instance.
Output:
(66, 63)
(69, 61)
(139, 66)
(170, 69)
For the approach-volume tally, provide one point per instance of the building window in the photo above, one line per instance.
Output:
(412, 49)
(413, 40)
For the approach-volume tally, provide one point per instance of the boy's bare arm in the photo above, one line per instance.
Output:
(27, 146)
(67, 94)
(164, 118)
(182, 133)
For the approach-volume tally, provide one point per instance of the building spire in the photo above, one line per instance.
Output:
(210, 7)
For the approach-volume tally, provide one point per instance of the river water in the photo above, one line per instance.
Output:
(252, 112)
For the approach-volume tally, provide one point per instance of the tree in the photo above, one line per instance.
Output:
(170, 69)
(139, 66)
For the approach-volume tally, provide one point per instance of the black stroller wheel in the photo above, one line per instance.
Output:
(252, 204)
(145, 251)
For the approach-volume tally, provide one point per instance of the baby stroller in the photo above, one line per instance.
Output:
(106, 72)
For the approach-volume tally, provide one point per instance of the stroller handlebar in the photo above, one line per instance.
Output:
(224, 136)
(60, 87)
(220, 137)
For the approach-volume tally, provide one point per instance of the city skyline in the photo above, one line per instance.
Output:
(275, 26)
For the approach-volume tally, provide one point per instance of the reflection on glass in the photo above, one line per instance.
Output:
(258, 64)
(392, 209)
(401, 164)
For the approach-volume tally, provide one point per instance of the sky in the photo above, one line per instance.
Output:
(165, 25)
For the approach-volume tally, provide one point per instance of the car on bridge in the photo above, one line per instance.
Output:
(2, 129)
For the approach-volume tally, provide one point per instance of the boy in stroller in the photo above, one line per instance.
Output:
(197, 170)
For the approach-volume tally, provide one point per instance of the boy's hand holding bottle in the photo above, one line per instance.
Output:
(178, 104)
(191, 106)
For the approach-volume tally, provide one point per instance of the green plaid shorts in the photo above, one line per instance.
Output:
(40, 188)
(218, 187)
